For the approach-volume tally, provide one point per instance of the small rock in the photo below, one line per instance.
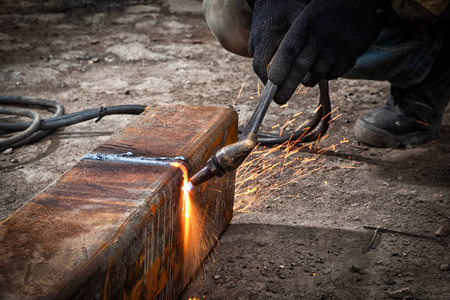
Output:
(93, 60)
(281, 266)
(8, 151)
(217, 277)
(355, 269)
(444, 267)
(282, 276)
(401, 294)
(390, 281)
(357, 219)
(14, 160)
(442, 231)
(109, 59)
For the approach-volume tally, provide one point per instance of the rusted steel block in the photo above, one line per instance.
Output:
(118, 230)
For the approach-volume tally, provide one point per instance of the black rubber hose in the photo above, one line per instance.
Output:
(38, 129)
(51, 105)
(33, 127)
(305, 134)
(74, 118)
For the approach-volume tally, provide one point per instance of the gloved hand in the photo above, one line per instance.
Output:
(324, 42)
(271, 21)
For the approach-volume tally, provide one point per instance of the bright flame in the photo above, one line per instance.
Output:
(186, 206)
(187, 186)
(197, 233)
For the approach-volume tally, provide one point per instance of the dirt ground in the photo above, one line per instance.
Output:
(303, 240)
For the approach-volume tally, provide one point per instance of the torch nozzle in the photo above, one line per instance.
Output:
(230, 157)
(188, 187)
(201, 176)
(227, 159)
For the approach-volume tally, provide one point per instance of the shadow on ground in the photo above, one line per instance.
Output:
(255, 261)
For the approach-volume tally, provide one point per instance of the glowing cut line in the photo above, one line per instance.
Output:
(187, 186)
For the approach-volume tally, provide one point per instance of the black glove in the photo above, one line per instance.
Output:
(324, 42)
(271, 21)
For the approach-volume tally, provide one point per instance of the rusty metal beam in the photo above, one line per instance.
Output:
(116, 229)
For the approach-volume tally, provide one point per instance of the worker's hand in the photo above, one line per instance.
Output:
(324, 42)
(271, 21)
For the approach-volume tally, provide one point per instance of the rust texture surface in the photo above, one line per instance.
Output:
(109, 230)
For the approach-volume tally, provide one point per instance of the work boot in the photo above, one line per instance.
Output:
(403, 121)
(413, 114)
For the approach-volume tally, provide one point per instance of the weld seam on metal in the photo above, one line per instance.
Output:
(130, 159)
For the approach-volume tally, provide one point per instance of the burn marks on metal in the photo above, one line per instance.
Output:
(112, 225)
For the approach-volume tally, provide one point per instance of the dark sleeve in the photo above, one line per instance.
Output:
(419, 11)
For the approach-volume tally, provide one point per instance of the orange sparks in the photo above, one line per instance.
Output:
(299, 90)
(257, 177)
(318, 107)
(329, 113)
(185, 188)
(240, 91)
(423, 123)
(334, 118)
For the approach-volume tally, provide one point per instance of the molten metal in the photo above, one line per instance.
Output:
(187, 186)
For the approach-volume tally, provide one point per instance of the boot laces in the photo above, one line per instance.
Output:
(404, 102)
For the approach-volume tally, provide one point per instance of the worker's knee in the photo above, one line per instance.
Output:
(230, 22)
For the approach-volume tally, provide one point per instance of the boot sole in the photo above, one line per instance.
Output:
(376, 137)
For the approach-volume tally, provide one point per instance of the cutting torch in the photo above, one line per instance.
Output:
(230, 157)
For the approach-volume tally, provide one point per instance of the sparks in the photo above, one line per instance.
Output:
(240, 91)
(423, 123)
(256, 178)
(187, 187)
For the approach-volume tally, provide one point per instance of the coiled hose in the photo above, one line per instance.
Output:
(39, 128)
